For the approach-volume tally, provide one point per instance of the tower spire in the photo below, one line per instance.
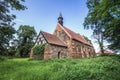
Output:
(60, 19)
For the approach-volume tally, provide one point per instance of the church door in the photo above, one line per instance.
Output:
(59, 55)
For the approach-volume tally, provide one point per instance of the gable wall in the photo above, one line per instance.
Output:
(40, 40)
(61, 34)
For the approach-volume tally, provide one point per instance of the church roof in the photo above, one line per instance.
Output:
(76, 36)
(52, 39)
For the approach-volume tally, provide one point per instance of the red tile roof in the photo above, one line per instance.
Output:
(52, 39)
(76, 36)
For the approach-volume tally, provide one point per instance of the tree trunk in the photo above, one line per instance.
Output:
(100, 42)
(21, 53)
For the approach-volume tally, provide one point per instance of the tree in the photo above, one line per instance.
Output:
(26, 36)
(6, 21)
(98, 35)
(91, 22)
(103, 18)
(6, 6)
(5, 36)
(87, 39)
(11, 51)
(112, 22)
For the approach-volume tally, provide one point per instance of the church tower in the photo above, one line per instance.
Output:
(60, 19)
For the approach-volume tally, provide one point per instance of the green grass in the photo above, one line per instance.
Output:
(99, 68)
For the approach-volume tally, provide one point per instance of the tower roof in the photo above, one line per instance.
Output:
(60, 19)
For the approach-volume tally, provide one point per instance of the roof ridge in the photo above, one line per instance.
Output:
(65, 30)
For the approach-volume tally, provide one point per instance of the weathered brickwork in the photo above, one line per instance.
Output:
(80, 50)
(54, 51)
(60, 33)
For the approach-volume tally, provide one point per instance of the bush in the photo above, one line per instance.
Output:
(117, 55)
(38, 51)
(2, 58)
(11, 51)
(104, 55)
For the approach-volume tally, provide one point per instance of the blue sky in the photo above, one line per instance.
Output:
(43, 14)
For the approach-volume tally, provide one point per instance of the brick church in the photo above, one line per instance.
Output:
(64, 43)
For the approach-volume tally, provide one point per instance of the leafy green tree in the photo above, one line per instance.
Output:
(91, 22)
(13, 48)
(6, 21)
(5, 37)
(6, 6)
(103, 18)
(26, 36)
(112, 22)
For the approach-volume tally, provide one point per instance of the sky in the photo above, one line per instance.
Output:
(43, 14)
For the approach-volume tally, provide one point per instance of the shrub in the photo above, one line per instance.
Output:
(116, 55)
(38, 51)
(2, 58)
(104, 55)
(11, 51)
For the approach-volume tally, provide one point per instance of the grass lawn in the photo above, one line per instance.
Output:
(99, 68)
